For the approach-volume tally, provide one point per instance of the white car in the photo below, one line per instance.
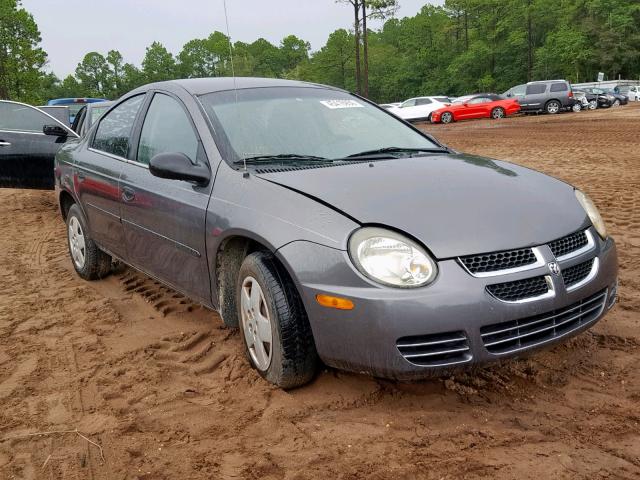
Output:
(389, 106)
(419, 108)
(634, 93)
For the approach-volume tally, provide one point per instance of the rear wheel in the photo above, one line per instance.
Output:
(616, 103)
(577, 107)
(89, 261)
(275, 328)
(497, 113)
(553, 107)
(446, 117)
(593, 104)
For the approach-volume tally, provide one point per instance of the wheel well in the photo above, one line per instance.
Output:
(229, 258)
(66, 200)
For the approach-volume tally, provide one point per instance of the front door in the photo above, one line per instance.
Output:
(97, 177)
(26, 153)
(164, 220)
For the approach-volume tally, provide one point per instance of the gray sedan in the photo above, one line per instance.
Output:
(329, 230)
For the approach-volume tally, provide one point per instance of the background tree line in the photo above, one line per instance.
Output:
(461, 47)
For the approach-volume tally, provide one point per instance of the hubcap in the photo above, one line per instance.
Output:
(76, 242)
(553, 108)
(446, 117)
(497, 113)
(256, 323)
(593, 105)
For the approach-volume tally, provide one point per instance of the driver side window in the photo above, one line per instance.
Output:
(166, 129)
(16, 117)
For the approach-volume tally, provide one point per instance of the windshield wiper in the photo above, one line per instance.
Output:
(258, 159)
(397, 150)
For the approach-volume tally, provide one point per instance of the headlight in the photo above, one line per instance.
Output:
(390, 258)
(592, 212)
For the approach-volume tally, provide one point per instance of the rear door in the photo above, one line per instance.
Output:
(26, 153)
(535, 96)
(164, 220)
(97, 175)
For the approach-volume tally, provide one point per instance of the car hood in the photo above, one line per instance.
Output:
(454, 204)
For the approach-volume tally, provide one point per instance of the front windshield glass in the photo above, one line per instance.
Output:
(307, 121)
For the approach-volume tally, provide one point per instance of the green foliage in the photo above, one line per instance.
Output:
(460, 47)
(21, 59)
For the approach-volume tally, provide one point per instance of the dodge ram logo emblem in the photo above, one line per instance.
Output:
(554, 268)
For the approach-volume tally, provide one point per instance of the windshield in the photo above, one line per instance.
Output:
(305, 121)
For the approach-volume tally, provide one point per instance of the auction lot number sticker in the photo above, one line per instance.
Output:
(341, 104)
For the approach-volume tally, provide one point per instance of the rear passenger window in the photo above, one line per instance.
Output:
(423, 101)
(114, 132)
(559, 87)
(536, 89)
(166, 129)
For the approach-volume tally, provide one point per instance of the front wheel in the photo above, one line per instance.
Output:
(446, 117)
(553, 107)
(616, 103)
(273, 323)
(593, 104)
(89, 261)
(577, 107)
(497, 113)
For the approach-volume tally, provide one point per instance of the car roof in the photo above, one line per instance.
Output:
(69, 101)
(548, 81)
(202, 86)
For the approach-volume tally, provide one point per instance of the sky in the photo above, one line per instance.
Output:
(72, 28)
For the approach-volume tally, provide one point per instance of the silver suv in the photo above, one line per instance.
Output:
(551, 96)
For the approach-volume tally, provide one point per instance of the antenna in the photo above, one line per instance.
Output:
(233, 71)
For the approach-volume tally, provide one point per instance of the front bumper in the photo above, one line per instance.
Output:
(365, 339)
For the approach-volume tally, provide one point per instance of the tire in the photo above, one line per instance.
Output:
(616, 103)
(446, 117)
(577, 107)
(593, 104)
(497, 113)
(552, 107)
(89, 261)
(266, 293)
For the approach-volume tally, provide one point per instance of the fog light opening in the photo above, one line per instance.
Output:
(330, 301)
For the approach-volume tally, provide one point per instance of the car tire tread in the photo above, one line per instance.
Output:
(295, 360)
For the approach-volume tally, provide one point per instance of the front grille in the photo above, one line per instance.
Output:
(577, 273)
(568, 244)
(492, 262)
(520, 289)
(515, 335)
(436, 349)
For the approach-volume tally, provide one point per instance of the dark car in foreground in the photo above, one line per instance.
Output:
(604, 99)
(328, 229)
(29, 140)
(480, 105)
(88, 115)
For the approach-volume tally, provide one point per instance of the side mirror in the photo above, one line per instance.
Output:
(177, 166)
(465, 104)
(55, 131)
(509, 94)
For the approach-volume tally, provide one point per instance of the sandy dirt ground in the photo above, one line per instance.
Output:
(164, 391)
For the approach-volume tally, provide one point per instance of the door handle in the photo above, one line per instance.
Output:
(128, 195)
(4, 144)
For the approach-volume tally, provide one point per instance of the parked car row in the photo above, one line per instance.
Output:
(547, 96)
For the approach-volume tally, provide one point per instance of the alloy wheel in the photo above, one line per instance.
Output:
(497, 113)
(256, 323)
(77, 243)
(593, 105)
(553, 107)
(446, 117)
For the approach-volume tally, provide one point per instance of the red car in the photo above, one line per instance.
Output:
(480, 105)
